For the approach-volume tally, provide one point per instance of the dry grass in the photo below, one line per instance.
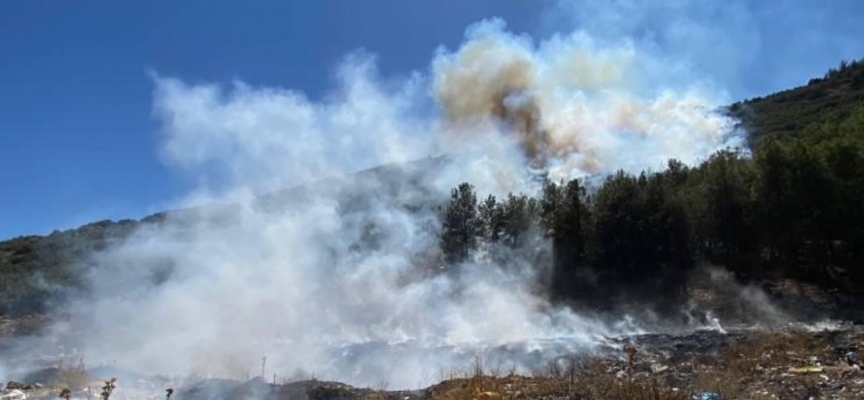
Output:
(757, 368)
(776, 349)
(601, 387)
(746, 369)
(567, 378)
(72, 378)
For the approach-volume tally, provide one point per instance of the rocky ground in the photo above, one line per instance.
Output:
(790, 363)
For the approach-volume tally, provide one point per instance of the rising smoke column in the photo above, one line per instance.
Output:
(575, 108)
(336, 277)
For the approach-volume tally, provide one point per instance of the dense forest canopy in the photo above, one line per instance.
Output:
(791, 206)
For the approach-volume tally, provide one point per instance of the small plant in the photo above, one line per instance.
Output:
(109, 387)
(631, 356)
(168, 393)
(478, 368)
(66, 394)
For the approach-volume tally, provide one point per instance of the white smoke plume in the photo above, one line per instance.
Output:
(335, 277)
(272, 138)
(575, 107)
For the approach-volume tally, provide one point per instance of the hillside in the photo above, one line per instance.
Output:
(790, 112)
(36, 271)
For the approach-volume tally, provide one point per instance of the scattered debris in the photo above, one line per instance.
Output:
(14, 394)
(806, 370)
(852, 358)
(702, 365)
(484, 395)
(657, 368)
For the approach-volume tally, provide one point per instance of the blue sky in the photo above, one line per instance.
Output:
(79, 143)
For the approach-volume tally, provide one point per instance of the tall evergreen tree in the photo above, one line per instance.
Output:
(518, 214)
(722, 210)
(461, 225)
(565, 215)
(491, 216)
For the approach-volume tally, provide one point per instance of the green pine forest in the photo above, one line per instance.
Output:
(791, 206)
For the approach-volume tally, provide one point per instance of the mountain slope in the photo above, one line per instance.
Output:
(791, 112)
(37, 270)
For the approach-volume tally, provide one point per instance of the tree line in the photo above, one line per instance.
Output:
(790, 207)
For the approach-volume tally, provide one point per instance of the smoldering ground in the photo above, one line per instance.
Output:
(341, 276)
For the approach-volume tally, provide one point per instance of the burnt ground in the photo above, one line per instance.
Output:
(789, 363)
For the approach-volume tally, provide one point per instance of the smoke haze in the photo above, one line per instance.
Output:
(339, 278)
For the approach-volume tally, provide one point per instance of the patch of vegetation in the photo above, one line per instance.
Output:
(38, 270)
(791, 112)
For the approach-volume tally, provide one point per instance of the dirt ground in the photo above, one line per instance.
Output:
(785, 364)
(790, 363)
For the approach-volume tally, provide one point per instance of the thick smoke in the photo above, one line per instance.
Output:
(340, 277)
(576, 108)
(271, 138)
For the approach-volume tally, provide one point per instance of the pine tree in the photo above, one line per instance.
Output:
(461, 225)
